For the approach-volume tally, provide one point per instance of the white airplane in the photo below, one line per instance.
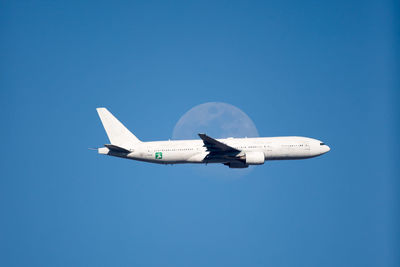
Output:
(233, 152)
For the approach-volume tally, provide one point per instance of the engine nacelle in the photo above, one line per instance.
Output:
(254, 158)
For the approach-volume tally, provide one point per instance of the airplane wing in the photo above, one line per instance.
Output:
(216, 146)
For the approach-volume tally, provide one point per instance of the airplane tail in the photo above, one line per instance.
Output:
(118, 134)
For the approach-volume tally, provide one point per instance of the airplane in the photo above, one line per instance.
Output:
(232, 152)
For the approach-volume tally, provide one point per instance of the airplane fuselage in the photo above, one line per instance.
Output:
(194, 151)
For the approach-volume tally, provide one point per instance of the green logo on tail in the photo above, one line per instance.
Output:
(158, 155)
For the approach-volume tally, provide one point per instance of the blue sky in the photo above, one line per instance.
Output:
(308, 68)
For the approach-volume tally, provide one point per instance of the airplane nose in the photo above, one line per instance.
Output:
(325, 149)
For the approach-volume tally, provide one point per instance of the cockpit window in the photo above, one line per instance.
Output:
(321, 144)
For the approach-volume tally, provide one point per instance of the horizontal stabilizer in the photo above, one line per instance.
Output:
(117, 148)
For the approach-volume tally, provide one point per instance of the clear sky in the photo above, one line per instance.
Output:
(311, 68)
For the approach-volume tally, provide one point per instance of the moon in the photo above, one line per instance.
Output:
(216, 119)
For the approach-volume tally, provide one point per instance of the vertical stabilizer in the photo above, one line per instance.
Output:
(118, 134)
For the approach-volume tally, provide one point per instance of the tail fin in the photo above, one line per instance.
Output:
(118, 134)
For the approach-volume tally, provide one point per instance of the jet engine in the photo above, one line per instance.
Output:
(254, 158)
